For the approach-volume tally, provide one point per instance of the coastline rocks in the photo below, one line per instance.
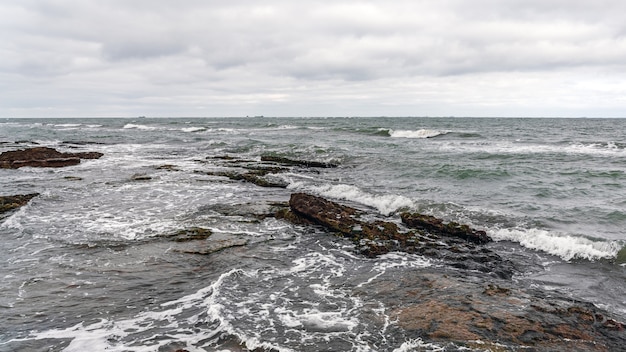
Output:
(447, 308)
(435, 225)
(8, 203)
(42, 157)
(456, 244)
(261, 173)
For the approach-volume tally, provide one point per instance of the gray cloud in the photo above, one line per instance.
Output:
(226, 58)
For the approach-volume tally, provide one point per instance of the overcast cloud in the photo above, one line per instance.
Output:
(312, 58)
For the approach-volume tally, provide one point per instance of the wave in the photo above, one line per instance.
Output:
(567, 247)
(193, 129)
(68, 125)
(139, 127)
(386, 204)
(422, 133)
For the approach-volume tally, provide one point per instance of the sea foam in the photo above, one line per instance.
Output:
(567, 247)
(386, 204)
(422, 133)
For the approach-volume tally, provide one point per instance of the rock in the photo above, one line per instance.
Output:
(140, 177)
(435, 225)
(255, 177)
(8, 203)
(287, 161)
(374, 238)
(73, 178)
(213, 245)
(190, 234)
(168, 167)
(444, 308)
(326, 213)
(43, 157)
(621, 256)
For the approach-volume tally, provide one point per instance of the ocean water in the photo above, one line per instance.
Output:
(85, 265)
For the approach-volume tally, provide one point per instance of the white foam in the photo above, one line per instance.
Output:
(385, 204)
(423, 133)
(66, 125)
(418, 345)
(567, 247)
(193, 129)
(395, 260)
(139, 127)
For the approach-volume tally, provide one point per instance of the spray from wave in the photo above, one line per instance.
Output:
(567, 247)
(422, 133)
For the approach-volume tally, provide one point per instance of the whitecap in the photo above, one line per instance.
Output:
(139, 127)
(422, 133)
(567, 247)
(193, 129)
(386, 204)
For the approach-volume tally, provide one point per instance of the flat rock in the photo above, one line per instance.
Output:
(42, 157)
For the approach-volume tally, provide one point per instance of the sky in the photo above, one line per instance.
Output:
(205, 58)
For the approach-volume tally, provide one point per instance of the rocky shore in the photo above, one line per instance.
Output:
(470, 299)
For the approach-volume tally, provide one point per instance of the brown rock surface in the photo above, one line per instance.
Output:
(42, 157)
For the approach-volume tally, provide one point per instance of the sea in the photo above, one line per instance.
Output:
(87, 266)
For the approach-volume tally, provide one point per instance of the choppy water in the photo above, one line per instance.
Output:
(84, 265)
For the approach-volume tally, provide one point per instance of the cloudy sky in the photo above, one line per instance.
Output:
(312, 58)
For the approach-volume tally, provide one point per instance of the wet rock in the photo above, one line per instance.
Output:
(168, 167)
(374, 238)
(8, 203)
(43, 157)
(214, 244)
(140, 177)
(443, 307)
(190, 234)
(73, 178)
(435, 225)
(296, 162)
(255, 177)
(320, 211)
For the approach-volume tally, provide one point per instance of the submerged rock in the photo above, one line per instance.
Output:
(42, 157)
(189, 234)
(8, 203)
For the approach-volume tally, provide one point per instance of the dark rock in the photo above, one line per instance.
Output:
(140, 177)
(374, 238)
(318, 210)
(43, 157)
(434, 225)
(167, 167)
(73, 178)
(190, 234)
(8, 203)
(255, 177)
(287, 161)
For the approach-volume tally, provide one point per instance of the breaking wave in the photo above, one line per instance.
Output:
(567, 247)
(422, 133)
(385, 204)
